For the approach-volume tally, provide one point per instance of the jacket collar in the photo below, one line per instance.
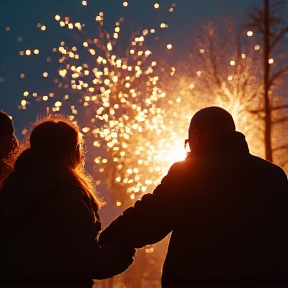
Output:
(228, 141)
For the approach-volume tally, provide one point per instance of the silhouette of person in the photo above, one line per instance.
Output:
(227, 211)
(8, 146)
(49, 217)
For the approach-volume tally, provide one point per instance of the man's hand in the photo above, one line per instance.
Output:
(120, 257)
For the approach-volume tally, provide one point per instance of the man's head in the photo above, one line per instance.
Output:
(208, 122)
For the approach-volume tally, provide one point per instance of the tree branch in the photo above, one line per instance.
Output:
(280, 120)
(256, 24)
(277, 74)
(279, 37)
(284, 106)
(257, 112)
(284, 163)
(282, 147)
(252, 97)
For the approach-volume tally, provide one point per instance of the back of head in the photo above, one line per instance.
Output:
(6, 125)
(8, 146)
(212, 120)
(8, 142)
(52, 146)
(55, 150)
(56, 140)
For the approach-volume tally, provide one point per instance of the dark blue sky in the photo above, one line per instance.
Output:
(22, 17)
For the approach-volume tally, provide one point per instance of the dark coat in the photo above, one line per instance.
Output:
(228, 214)
(48, 234)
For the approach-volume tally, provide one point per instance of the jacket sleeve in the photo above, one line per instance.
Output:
(151, 218)
(79, 251)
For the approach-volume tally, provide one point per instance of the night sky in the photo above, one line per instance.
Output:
(22, 18)
(30, 25)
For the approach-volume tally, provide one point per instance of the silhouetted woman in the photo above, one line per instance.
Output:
(8, 145)
(49, 216)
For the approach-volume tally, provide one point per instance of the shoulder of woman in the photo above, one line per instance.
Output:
(75, 194)
(70, 190)
(5, 168)
(76, 198)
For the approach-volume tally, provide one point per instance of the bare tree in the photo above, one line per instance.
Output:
(269, 24)
(223, 69)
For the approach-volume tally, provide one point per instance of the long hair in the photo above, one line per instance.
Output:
(8, 146)
(7, 129)
(56, 144)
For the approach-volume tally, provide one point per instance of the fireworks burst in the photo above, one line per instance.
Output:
(132, 109)
(116, 99)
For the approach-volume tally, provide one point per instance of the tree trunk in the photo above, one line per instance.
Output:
(268, 112)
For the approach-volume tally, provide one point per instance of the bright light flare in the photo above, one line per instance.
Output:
(176, 153)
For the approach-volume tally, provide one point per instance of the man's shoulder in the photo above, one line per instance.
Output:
(179, 171)
(269, 166)
(179, 165)
(266, 163)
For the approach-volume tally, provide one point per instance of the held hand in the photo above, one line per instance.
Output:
(121, 255)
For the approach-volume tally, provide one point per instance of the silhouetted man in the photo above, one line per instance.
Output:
(227, 211)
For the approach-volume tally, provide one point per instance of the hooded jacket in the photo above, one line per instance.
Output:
(49, 233)
(227, 212)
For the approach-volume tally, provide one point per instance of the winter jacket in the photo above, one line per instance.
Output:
(227, 212)
(48, 234)
(5, 170)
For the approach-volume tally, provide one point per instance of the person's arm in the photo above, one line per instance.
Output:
(76, 240)
(152, 217)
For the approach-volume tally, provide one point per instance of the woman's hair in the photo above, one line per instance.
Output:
(6, 125)
(57, 144)
(8, 142)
